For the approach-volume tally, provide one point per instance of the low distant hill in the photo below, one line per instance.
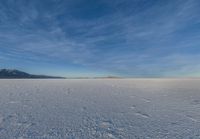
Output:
(16, 74)
(108, 77)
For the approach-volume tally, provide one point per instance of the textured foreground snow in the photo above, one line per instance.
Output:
(116, 108)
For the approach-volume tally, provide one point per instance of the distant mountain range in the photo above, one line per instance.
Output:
(16, 74)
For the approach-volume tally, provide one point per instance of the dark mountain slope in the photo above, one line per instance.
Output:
(16, 74)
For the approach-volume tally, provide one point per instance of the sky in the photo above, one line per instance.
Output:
(128, 38)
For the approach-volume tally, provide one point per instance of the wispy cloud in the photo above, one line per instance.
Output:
(129, 38)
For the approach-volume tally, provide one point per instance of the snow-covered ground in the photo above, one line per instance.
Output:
(100, 109)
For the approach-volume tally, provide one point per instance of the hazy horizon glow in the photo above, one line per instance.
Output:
(131, 38)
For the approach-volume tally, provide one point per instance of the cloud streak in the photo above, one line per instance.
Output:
(127, 38)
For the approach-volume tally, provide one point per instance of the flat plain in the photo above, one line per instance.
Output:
(100, 109)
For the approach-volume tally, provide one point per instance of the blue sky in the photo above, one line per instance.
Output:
(131, 38)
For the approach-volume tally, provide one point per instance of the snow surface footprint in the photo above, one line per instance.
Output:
(109, 131)
(141, 114)
(105, 124)
(13, 102)
(1, 119)
(110, 135)
(146, 100)
(67, 91)
(195, 102)
(133, 107)
(84, 109)
(191, 118)
(132, 96)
